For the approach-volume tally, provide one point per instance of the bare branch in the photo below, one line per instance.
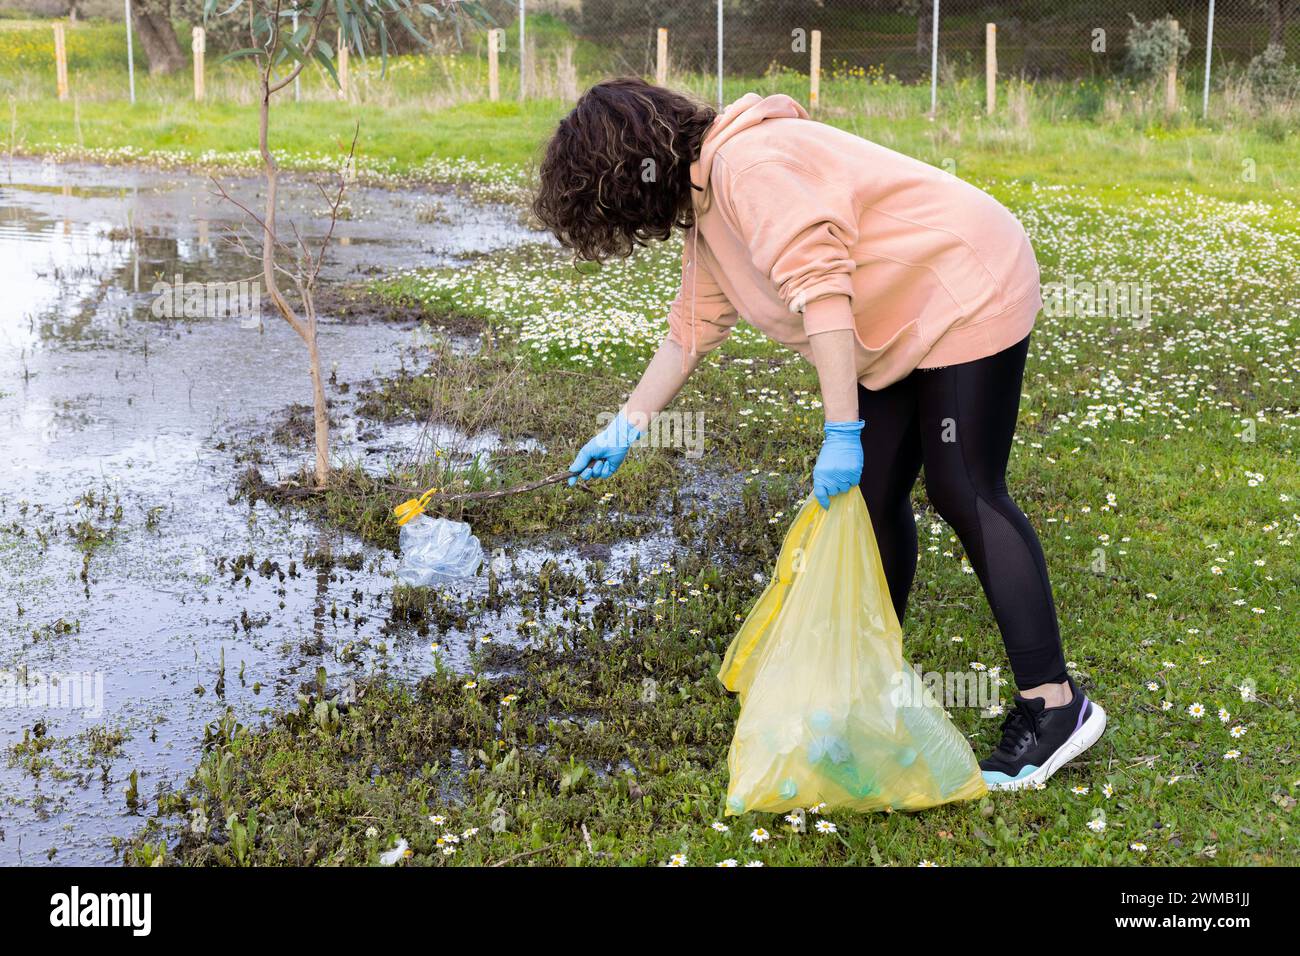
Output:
(317, 23)
(319, 261)
(221, 191)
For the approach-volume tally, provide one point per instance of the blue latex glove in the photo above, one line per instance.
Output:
(839, 466)
(601, 456)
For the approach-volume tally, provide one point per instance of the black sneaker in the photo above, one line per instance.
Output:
(1037, 740)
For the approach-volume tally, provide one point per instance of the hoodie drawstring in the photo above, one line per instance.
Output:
(694, 267)
(746, 112)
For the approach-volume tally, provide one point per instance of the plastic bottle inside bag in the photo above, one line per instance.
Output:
(437, 551)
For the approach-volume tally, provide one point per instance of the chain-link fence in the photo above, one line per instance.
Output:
(550, 48)
(1062, 39)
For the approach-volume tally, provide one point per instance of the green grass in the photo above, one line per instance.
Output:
(502, 132)
(1128, 157)
(1099, 133)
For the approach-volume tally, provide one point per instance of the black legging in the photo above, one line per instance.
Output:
(958, 421)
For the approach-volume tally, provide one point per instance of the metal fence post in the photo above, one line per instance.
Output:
(130, 54)
(1209, 46)
(719, 54)
(934, 60)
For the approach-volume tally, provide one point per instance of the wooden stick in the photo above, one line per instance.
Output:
(815, 71)
(1171, 78)
(525, 853)
(661, 58)
(500, 492)
(494, 66)
(990, 67)
(198, 43)
(343, 66)
(60, 60)
(274, 493)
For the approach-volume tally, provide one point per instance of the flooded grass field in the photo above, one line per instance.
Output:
(128, 567)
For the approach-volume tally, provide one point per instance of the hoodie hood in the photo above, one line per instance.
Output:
(748, 111)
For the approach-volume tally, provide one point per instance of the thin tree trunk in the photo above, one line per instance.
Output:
(1277, 22)
(305, 325)
(319, 408)
(152, 22)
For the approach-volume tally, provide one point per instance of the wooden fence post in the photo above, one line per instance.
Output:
(199, 45)
(60, 60)
(990, 67)
(815, 70)
(661, 58)
(494, 65)
(343, 67)
(1171, 78)
(523, 53)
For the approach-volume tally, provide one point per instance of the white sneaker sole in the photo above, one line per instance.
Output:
(1079, 741)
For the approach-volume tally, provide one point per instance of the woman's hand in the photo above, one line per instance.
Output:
(601, 456)
(839, 465)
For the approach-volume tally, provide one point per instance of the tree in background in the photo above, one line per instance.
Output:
(152, 20)
(1278, 11)
(1151, 48)
(281, 53)
(922, 10)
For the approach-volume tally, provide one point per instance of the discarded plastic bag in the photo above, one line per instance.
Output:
(830, 712)
(437, 551)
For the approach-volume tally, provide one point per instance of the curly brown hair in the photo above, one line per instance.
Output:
(617, 172)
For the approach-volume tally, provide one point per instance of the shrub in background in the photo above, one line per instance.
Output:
(1153, 46)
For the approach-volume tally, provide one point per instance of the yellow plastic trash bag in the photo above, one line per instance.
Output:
(829, 710)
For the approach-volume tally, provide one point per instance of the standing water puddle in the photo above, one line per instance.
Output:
(120, 432)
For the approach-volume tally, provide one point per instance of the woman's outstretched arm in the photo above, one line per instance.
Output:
(659, 385)
(662, 379)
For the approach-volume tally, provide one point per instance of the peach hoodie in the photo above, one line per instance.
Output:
(804, 228)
